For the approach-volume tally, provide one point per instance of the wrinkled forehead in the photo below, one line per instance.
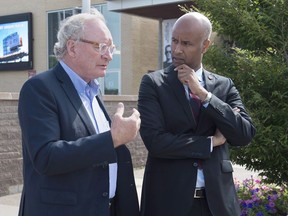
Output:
(97, 30)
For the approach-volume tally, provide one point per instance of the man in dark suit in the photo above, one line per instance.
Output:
(188, 170)
(75, 162)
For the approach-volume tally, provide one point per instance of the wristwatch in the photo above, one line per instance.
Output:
(208, 98)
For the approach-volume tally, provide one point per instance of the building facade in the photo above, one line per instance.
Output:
(136, 53)
(136, 27)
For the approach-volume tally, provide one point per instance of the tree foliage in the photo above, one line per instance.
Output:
(254, 53)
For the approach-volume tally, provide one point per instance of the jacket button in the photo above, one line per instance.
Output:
(105, 194)
(195, 164)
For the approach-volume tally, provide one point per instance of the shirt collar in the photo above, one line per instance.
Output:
(94, 85)
(199, 74)
(79, 83)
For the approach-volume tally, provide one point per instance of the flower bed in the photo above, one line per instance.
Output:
(259, 199)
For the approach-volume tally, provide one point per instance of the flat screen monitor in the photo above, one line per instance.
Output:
(16, 42)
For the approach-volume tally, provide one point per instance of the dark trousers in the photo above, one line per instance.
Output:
(200, 207)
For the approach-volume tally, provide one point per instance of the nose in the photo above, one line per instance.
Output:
(178, 48)
(108, 55)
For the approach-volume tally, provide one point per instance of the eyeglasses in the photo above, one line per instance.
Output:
(102, 48)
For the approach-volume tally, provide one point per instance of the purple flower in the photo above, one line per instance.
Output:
(267, 207)
(244, 205)
(258, 198)
(271, 204)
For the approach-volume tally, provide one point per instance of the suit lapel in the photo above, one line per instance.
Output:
(100, 102)
(209, 80)
(73, 96)
(179, 91)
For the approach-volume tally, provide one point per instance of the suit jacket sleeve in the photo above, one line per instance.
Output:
(237, 127)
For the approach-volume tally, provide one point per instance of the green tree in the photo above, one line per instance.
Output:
(254, 52)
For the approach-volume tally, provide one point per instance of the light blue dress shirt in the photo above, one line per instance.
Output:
(200, 183)
(88, 92)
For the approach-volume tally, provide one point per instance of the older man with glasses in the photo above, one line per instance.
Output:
(75, 161)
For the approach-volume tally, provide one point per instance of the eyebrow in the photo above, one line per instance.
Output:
(89, 42)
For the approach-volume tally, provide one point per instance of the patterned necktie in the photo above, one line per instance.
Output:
(195, 104)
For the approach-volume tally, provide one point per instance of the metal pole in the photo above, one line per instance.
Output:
(160, 45)
(86, 5)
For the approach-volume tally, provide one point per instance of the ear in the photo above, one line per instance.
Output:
(70, 44)
(206, 44)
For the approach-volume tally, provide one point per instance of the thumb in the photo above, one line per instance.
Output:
(135, 113)
(120, 109)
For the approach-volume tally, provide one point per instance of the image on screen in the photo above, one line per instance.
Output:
(16, 42)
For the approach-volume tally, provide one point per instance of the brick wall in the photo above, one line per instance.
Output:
(10, 145)
(10, 140)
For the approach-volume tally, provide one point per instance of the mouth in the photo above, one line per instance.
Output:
(177, 61)
(103, 66)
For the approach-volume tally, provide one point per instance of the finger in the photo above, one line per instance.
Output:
(135, 113)
(120, 109)
(180, 67)
(236, 109)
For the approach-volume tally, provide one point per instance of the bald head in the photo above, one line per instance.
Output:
(195, 21)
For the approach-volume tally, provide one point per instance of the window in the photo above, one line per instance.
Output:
(110, 84)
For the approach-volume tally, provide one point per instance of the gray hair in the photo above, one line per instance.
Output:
(73, 28)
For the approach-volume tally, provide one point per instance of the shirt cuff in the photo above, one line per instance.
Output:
(211, 143)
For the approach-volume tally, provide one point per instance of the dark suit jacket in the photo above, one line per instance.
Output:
(176, 143)
(65, 164)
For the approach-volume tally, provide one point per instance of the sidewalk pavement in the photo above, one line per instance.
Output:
(9, 204)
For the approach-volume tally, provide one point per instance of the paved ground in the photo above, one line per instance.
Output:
(9, 204)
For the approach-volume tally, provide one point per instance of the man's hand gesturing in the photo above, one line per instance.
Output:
(124, 129)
